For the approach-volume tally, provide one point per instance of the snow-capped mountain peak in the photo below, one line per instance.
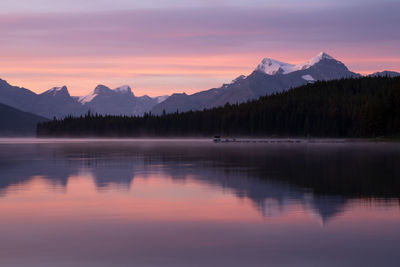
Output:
(322, 55)
(123, 89)
(271, 66)
(57, 91)
(101, 89)
(117, 101)
(318, 58)
(87, 98)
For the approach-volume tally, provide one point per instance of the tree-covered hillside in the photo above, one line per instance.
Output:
(361, 107)
(14, 122)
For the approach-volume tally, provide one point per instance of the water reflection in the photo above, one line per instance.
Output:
(321, 177)
(198, 203)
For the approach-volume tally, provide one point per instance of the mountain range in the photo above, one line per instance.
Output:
(120, 101)
(269, 77)
(57, 102)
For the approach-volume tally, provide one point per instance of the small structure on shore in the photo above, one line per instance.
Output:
(217, 138)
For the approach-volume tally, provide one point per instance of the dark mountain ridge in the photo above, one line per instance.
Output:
(14, 122)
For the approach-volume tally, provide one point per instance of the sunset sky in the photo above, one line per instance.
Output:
(163, 46)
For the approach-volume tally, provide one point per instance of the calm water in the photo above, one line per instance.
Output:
(196, 203)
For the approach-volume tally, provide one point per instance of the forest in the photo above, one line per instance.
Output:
(365, 107)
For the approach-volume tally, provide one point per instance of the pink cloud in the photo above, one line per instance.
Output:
(204, 46)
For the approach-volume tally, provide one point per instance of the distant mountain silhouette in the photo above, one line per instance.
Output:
(57, 102)
(54, 102)
(120, 101)
(385, 73)
(14, 122)
(17, 97)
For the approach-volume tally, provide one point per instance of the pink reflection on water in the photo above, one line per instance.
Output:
(159, 221)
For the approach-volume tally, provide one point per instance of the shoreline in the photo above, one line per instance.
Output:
(223, 140)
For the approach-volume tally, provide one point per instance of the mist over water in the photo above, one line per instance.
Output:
(139, 202)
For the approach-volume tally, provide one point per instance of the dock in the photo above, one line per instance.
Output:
(243, 140)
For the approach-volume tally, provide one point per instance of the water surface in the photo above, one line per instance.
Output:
(196, 203)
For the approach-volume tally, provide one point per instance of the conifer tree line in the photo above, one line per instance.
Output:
(360, 107)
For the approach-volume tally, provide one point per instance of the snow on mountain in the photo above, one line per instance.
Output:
(314, 60)
(162, 98)
(56, 91)
(308, 78)
(87, 98)
(271, 76)
(272, 67)
(57, 102)
(236, 80)
(102, 90)
(118, 101)
(123, 89)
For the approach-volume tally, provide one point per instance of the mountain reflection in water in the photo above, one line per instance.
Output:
(187, 178)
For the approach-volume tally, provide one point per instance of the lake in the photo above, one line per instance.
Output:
(198, 203)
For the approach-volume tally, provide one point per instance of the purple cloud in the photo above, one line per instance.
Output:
(364, 36)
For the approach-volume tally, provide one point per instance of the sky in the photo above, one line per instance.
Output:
(160, 47)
